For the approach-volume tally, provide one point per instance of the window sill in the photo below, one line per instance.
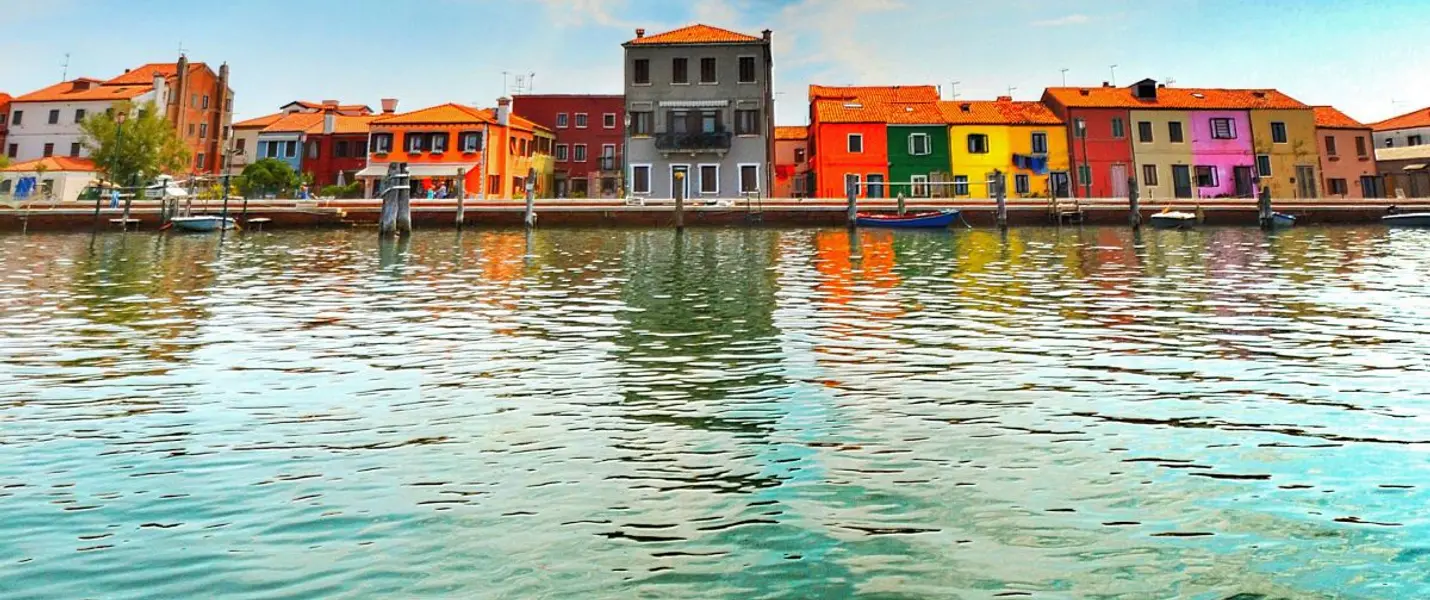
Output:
(680, 83)
(709, 83)
(646, 84)
(747, 82)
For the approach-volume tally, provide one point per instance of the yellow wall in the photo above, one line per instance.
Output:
(1300, 149)
(545, 165)
(1003, 142)
(1161, 152)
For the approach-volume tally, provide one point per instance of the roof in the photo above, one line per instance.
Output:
(4, 98)
(694, 34)
(85, 89)
(1328, 117)
(258, 122)
(792, 133)
(312, 124)
(1003, 111)
(1175, 98)
(346, 108)
(887, 93)
(453, 114)
(1419, 118)
(841, 111)
(1403, 153)
(53, 163)
(145, 74)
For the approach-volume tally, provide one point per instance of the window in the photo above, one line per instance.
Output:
(640, 179)
(1263, 165)
(79, 115)
(17, 117)
(581, 120)
(241, 144)
(340, 150)
(1040, 142)
(1336, 186)
(1206, 176)
(200, 162)
(1144, 132)
(193, 100)
(1223, 129)
(206, 102)
(192, 129)
(1149, 175)
(1079, 128)
(709, 179)
(747, 122)
(471, 142)
(13, 151)
(799, 156)
(290, 149)
(1389, 142)
(5, 186)
(707, 70)
(382, 143)
(920, 186)
(1360, 146)
(360, 148)
(856, 144)
(415, 143)
(203, 130)
(1413, 140)
(578, 153)
(640, 71)
(642, 123)
(1118, 130)
(919, 145)
(1330, 145)
(851, 183)
(438, 143)
(960, 185)
(1278, 132)
(709, 121)
(494, 184)
(49, 150)
(1084, 175)
(977, 143)
(313, 149)
(874, 185)
(1021, 184)
(562, 120)
(270, 150)
(608, 120)
(1174, 132)
(54, 117)
(563, 152)
(679, 71)
(747, 69)
(74, 149)
(749, 179)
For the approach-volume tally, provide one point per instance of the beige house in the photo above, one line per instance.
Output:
(56, 179)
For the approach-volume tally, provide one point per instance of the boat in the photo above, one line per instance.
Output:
(202, 223)
(928, 220)
(1282, 220)
(1173, 220)
(1421, 219)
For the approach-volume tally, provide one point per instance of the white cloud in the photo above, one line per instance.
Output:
(1074, 19)
(581, 13)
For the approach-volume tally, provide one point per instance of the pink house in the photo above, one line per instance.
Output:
(1228, 149)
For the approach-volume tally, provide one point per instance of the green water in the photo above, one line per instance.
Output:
(1075, 413)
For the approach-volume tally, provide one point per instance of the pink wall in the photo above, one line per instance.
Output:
(1223, 154)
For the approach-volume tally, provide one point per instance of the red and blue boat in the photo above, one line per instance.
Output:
(928, 220)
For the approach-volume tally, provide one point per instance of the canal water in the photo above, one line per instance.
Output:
(738, 413)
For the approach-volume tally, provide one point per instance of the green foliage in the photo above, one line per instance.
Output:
(4, 161)
(148, 147)
(351, 190)
(269, 176)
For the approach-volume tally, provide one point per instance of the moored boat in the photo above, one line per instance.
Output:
(202, 223)
(1282, 220)
(928, 220)
(1421, 219)
(1173, 220)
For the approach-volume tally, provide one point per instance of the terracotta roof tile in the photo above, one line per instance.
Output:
(997, 112)
(145, 74)
(695, 34)
(1175, 98)
(85, 89)
(849, 111)
(1328, 117)
(344, 108)
(53, 163)
(792, 133)
(1419, 118)
(258, 122)
(295, 123)
(443, 114)
(885, 93)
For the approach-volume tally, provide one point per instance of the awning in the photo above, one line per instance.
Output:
(378, 171)
(1415, 167)
(694, 103)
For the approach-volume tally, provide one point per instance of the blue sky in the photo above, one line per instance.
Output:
(1366, 57)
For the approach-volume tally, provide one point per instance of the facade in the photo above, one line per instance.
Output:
(543, 165)
(1101, 151)
(1409, 129)
(792, 178)
(590, 132)
(488, 152)
(245, 141)
(701, 106)
(245, 133)
(1024, 141)
(1286, 139)
(918, 148)
(196, 101)
(1347, 153)
(5, 125)
(328, 146)
(1405, 171)
(56, 179)
(849, 136)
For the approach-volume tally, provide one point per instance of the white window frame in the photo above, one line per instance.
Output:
(583, 118)
(1285, 132)
(917, 184)
(563, 121)
(608, 118)
(686, 183)
(700, 168)
(858, 181)
(1269, 166)
(563, 152)
(740, 171)
(650, 170)
(1215, 173)
(1033, 142)
(928, 144)
(1022, 183)
(737, 69)
(581, 150)
(849, 143)
(957, 183)
(1230, 128)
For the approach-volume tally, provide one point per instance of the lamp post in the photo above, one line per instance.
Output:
(228, 154)
(1087, 180)
(119, 118)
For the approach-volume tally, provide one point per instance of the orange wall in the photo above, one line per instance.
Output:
(832, 159)
(1346, 164)
(503, 163)
(189, 97)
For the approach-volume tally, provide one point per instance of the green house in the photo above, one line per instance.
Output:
(917, 154)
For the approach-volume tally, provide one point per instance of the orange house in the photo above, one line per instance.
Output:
(848, 135)
(489, 151)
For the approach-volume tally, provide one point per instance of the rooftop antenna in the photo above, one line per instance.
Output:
(181, 48)
(66, 75)
(1114, 75)
(1170, 81)
(1010, 90)
(954, 90)
(504, 88)
(1065, 76)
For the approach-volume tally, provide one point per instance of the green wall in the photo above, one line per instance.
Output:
(903, 166)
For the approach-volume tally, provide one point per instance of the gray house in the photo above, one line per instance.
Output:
(699, 101)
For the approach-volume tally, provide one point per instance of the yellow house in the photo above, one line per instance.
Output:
(543, 161)
(1287, 155)
(1024, 140)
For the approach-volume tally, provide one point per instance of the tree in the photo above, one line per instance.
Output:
(269, 175)
(149, 146)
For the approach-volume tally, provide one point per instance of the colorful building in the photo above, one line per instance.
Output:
(1348, 168)
(1409, 129)
(849, 136)
(918, 147)
(52, 179)
(1405, 170)
(1024, 141)
(9, 151)
(791, 163)
(245, 133)
(590, 133)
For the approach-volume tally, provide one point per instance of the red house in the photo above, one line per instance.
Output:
(1098, 139)
(848, 136)
(590, 131)
(334, 145)
(5, 125)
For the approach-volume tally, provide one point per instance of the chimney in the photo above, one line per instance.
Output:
(1106, 84)
(640, 32)
(389, 105)
(503, 110)
(330, 104)
(330, 122)
(766, 34)
(1005, 98)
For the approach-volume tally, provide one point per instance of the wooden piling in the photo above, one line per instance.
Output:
(531, 198)
(679, 201)
(404, 202)
(396, 216)
(852, 189)
(901, 205)
(1263, 208)
(1001, 198)
(1134, 201)
(461, 197)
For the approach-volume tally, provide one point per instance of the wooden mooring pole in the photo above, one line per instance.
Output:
(461, 197)
(396, 217)
(852, 189)
(1263, 206)
(1134, 201)
(1001, 197)
(901, 204)
(530, 198)
(679, 201)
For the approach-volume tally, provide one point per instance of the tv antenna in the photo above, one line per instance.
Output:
(66, 74)
(954, 91)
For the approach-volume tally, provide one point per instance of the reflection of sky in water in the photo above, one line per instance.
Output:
(1080, 413)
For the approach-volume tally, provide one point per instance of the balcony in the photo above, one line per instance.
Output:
(693, 143)
(608, 163)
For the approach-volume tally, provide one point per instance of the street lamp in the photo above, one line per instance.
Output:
(1081, 125)
(228, 155)
(119, 118)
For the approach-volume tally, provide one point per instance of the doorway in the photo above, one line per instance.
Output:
(1119, 181)
(1243, 182)
(684, 180)
(1059, 184)
(1181, 181)
(1306, 181)
(876, 186)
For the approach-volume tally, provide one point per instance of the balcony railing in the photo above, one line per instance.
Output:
(608, 163)
(718, 140)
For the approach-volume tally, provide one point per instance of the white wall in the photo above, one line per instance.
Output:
(67, 185)
(34, 131)
(1400, 136)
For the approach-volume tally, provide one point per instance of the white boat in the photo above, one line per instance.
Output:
(1173, 220)
(202, 223)
(1421, 219)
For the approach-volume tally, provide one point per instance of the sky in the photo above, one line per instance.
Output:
(1363, 56)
